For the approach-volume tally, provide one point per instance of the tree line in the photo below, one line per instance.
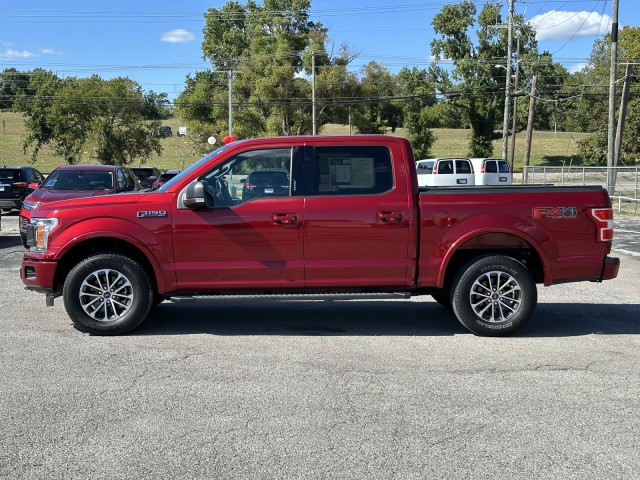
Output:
(276, 60)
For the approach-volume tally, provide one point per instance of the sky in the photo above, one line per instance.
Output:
(158, 43)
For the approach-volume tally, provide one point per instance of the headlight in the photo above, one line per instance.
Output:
(38, 232)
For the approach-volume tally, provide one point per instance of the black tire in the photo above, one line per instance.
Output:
(107, 294)
(494, 295)
(443, 298)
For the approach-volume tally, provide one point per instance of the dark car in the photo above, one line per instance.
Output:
(15, 184)
(76, 181)
(163, 131)
(261, 183)
(146, 175)
(162, 179)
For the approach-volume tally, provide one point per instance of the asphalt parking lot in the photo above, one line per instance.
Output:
(323, 390)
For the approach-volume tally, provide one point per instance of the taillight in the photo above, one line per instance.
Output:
(20, 184)
(249, 186)
(435, 169)
(482, 168)
(603, 218)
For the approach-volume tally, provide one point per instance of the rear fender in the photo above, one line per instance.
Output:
(493, 232)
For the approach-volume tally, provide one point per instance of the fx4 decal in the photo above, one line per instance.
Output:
(554, 212)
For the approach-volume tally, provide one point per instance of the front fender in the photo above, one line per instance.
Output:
(153, 241)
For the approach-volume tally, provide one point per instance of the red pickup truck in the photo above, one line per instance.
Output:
(329, 217)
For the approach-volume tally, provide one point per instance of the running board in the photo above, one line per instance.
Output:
(293, 297)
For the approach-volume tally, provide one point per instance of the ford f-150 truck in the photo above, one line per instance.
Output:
(342, 217)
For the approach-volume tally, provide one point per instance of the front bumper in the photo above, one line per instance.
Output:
(38, 275)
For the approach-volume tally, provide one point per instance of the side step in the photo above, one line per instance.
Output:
(291, 297)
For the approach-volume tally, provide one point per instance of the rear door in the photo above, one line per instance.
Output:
(464, 172)
(357, 220)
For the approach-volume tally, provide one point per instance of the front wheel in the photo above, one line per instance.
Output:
(107, 294)
(494, 295)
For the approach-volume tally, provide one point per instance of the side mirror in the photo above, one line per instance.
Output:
(194, 196)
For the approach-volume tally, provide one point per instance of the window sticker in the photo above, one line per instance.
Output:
(50, 183)
(352, 172)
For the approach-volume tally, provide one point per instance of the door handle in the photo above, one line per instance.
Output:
(284, 218)
(389, 217)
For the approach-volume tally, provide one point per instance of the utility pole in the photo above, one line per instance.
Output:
(527, 142)
(624, 101)
(612, 99)
(507, 93)
(230, 77)
(514, 120)
(313, 92)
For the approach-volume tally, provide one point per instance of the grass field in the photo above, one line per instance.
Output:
(548, 148)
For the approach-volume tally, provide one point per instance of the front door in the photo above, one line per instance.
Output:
(246, 237)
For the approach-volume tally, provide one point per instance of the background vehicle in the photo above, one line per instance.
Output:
(441, 172)
(492, 171)
(162, 179)
(146, 175)
(262, 183)
(76, 181)
(15, 184)
(353, 225)
(163, 132)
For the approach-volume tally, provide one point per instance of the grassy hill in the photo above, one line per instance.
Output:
(548, 148)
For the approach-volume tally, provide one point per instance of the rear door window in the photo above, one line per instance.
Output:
(463, 166)
(348, 170)
(490, 166)
(504, 167)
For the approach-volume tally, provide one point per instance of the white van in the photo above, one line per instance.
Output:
(492, 171)
(439, 172)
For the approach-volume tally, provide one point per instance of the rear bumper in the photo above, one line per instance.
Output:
(610, 268)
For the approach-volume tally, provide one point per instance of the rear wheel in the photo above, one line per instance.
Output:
(107, 294)
(494, 295)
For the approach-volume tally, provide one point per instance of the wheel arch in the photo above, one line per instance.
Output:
(488, 243)
(93, 246)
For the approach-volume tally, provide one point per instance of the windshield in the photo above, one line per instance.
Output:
(188, 170)
(79, 180)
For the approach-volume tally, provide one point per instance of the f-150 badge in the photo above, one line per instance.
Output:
(152, 213)
(554, 212)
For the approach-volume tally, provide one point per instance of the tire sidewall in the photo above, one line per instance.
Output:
(135, 274)
(494, 263)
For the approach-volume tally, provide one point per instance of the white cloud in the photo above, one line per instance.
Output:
(576, 67)
(50, 51)
(11, 54)
(558, 25)
(178, 36)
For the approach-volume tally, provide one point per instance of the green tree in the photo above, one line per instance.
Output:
(478, 77)
(103, 117)
(12, 82)
(417, 89)
(377, 111)
(263, 46)
(591, 98)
